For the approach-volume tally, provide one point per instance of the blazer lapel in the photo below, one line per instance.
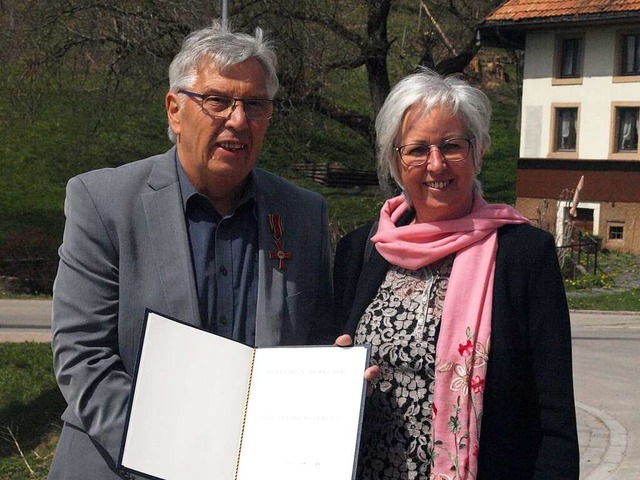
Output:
(371, 277)
(169, 240)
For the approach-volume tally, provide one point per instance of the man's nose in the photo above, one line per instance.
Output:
(237, 114)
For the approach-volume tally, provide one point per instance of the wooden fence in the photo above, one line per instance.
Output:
(337, 175)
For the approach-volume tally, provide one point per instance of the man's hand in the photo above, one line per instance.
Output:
(371, 373)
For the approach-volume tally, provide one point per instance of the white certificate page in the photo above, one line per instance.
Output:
(304, 414)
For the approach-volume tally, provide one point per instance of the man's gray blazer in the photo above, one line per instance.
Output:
(126, 249)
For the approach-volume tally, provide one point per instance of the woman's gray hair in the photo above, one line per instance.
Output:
(431, 90)
(224, 49)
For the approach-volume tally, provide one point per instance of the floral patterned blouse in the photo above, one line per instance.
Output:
(401, 324)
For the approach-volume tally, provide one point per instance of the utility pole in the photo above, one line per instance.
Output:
(225, 13)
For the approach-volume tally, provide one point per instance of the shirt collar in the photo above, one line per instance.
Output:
(188, 190)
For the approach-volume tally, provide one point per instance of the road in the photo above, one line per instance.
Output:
(606, 352)
(25, 320)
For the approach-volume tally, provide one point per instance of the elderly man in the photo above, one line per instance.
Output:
(197, 233)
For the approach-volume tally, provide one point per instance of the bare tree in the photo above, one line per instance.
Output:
(324, 45)
(136, 38)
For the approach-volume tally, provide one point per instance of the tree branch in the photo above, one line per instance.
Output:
(331, 24)
(15, 442)
(441, 33)
(360, 124)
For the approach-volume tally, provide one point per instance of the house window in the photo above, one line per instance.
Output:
(630, 54)
(626, 129)
(616, 232)
(570, 57)
(570, 65)
(566, 128)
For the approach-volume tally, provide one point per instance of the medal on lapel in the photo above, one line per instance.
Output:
(275, 222)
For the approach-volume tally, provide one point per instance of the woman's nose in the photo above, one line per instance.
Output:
(436, 161)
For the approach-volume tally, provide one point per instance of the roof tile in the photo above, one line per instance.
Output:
(519, 10)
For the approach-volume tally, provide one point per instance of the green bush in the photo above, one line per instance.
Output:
(30, 257)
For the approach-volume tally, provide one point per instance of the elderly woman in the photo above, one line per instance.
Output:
(462, 303)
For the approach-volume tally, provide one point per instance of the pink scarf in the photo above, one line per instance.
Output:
(462, 350)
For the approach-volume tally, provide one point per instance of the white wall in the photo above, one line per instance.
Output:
(595, 95)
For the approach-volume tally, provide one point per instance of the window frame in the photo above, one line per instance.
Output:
(618, 75)
(616, 225)
(558, 78)
(614, 153)
(553, 141)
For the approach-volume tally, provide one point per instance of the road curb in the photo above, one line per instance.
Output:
(19, 335)
(615, 448)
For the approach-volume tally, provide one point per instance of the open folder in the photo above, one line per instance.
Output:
(205, 407)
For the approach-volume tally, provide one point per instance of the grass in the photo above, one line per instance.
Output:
(30, 409)
(498, 174)
(615, 286)
(628, 300)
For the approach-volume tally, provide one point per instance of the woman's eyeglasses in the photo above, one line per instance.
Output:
(416, 154)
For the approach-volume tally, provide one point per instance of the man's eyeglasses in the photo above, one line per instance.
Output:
(221, 107)
(416, 154)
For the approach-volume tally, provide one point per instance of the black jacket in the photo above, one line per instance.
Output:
(528, 429)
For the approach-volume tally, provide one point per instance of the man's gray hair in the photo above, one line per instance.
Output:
(429, 90)
(224, 49)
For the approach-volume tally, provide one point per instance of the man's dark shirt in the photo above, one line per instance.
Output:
(224, 252)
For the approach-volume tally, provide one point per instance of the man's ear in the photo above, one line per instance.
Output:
(174, 111)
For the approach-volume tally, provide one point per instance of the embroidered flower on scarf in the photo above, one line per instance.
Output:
(477, 384)
(466, 349)
(460, 381)
(466, 374)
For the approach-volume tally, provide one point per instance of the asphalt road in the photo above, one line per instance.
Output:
(25, 320)
(606, 361)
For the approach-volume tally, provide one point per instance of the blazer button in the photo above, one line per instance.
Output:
(223, 320)
(223, 270)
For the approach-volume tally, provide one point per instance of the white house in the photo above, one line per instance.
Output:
(580, 111)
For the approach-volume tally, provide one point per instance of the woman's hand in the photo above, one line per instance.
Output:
(371, 373)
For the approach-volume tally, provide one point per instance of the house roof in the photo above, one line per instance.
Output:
(560, 10)
(507, 24)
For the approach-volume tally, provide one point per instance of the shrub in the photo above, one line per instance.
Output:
(30, 258)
